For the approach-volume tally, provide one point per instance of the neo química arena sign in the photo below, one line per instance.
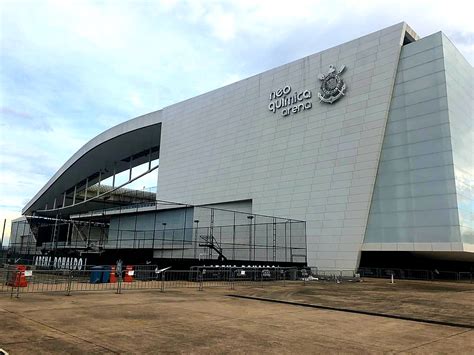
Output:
(287, 102)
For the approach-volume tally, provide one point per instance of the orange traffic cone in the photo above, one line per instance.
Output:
(113, 276)
(18, 278)
(128, 274)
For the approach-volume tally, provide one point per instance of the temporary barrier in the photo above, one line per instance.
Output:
(13, 279)
(140, 277)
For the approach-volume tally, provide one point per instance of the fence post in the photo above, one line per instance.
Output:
(18, 273)
(69, 282)
(13, 284)
(200, 280)
(232, 284)
(284, 278)
(162, 285)
(119, 284)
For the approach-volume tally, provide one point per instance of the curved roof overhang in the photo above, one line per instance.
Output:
(126, 145)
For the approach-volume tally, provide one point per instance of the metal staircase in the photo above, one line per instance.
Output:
(211, 243)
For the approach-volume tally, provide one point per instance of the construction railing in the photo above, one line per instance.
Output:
(415, 274)
(18, 279)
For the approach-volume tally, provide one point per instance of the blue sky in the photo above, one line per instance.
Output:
(71, 69)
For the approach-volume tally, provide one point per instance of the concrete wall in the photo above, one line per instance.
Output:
(318, 165)
(223, 215)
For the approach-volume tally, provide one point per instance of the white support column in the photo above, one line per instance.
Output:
(74, 196)
(98, 186)
(87, 187)
(149, 160)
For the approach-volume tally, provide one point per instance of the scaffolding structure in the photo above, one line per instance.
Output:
(161, 230)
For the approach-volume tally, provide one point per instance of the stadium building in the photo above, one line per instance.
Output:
(361, 154)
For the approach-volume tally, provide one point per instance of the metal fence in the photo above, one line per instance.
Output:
(17, 279)
(197, 232)
(413, 274)
(15, 282)
(332, 275)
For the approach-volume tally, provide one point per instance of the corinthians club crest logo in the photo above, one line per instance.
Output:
(332, 85)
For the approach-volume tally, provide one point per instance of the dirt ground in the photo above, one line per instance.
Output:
(201, 322)
(432, 301)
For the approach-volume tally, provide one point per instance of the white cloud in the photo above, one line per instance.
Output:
(136, 100)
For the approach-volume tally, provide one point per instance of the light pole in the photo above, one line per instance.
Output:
(196, 237)
(250, 218)
(163, 240)
(291, 236)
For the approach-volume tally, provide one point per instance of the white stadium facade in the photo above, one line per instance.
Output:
(359, 155)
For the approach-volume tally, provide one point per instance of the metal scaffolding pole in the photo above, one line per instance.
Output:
(3, 233)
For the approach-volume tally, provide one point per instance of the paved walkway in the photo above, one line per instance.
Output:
(189, 321)
(439, 301)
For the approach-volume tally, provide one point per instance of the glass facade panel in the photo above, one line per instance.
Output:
(460, 90)
(417, 190)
